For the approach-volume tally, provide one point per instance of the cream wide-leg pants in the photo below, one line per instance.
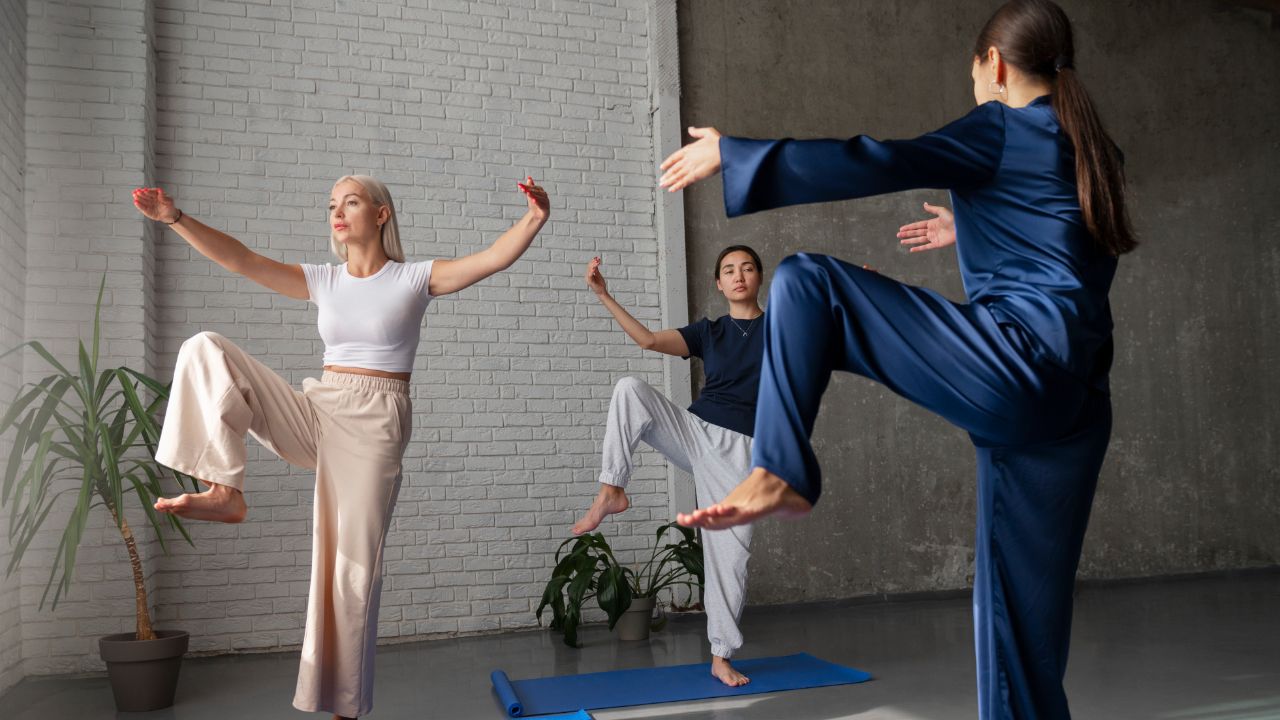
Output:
(352, 430)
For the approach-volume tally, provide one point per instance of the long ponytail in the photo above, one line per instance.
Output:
(1099, 169)
(1035, 37)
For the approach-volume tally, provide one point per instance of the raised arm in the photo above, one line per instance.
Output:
(765, 174)
(221, 248)
(669, 342)
(450, 276)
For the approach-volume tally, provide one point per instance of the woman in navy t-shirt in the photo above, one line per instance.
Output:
(711, 440)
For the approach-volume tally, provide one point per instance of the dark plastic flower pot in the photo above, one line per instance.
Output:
(144, 673)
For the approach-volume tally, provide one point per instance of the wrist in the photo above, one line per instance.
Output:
(175, 219)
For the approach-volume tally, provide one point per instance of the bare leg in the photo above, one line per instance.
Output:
(760, 495)
(610, 500)
(725, 672)
(220, 503)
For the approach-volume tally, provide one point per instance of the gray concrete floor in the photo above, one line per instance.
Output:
(1194, 649)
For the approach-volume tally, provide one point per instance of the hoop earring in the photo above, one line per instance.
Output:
(995, 88)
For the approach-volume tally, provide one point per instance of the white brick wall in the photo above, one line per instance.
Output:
(88, 101)
(13, 249)
(261, 107)
(258, 108)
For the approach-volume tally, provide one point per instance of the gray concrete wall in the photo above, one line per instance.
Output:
(1188, 90)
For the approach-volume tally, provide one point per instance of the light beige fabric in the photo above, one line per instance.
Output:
(352, 430)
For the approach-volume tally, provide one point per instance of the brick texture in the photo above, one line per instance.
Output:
(13, 248)
(247, 113)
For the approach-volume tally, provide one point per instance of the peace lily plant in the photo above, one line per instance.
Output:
(589, 569)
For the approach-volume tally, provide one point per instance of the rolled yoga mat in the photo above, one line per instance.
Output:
(645, 686)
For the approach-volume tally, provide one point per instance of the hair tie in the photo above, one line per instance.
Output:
(1062, 62)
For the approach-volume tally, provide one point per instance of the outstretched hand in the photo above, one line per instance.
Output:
(155, 204)
(930, 234)
(696, 161)
(539, 201)
(596, 281)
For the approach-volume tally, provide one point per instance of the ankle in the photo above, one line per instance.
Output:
(224, 491)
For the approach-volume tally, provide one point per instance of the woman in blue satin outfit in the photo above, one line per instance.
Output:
(1038, 196)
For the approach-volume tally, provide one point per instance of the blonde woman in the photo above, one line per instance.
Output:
(351, 426)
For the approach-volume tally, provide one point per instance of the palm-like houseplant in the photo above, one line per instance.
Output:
(84, 432)
(589, 569)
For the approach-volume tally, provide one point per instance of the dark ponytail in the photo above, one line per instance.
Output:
(1035, 37)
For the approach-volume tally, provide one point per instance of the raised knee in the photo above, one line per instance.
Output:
(801, 268)
(201, 342)
(631, 386)
(206, 337)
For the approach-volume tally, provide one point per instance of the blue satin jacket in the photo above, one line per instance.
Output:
(1023, 247)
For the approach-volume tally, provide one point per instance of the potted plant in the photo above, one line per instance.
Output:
(627, 596)
(82, 433)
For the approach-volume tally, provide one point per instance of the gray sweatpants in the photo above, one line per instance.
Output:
(718, 459)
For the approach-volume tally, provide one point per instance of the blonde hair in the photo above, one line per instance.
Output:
(390, 229)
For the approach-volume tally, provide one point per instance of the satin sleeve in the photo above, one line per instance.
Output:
(766, 174)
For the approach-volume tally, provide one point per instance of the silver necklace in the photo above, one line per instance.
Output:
(750, 324)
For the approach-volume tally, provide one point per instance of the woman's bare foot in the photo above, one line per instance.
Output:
(760, 495)
(725, 672)
(610, 500)
(220, 503)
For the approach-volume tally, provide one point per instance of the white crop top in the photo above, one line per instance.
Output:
(371, 322)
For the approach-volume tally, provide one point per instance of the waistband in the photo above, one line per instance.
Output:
(365, 382)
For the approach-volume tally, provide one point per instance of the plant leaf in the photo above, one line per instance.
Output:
(97, 318)
(114, 491)
(142, 416)
(86, 377)
(14, 462)
(22, 401)
(42, 352)
(46, 411)
(613, 593)
(550, 594)
(155, 386)
(70, 543)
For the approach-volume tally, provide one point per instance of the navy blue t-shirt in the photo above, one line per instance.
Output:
(731, 362)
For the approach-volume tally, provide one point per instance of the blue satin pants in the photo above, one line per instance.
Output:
(1040, 435)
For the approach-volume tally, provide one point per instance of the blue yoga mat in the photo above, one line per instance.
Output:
(645, 686)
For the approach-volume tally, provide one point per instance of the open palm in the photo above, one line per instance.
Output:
(938, 232)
